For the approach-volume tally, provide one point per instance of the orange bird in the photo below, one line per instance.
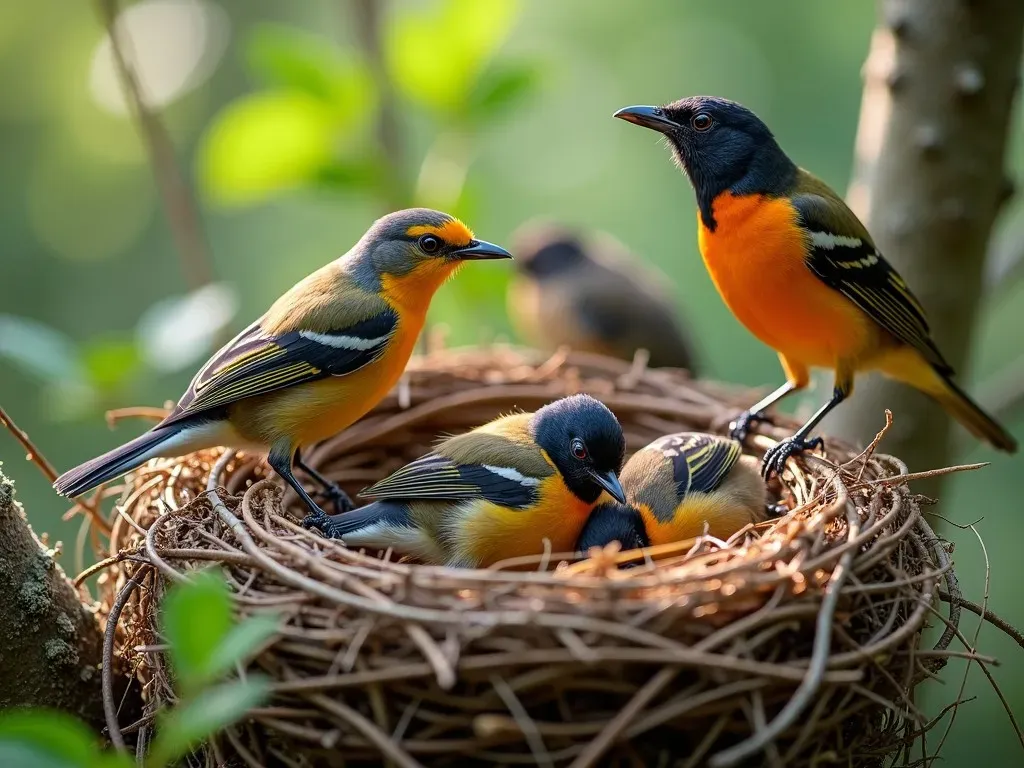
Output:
(800, 271)
(323, 355)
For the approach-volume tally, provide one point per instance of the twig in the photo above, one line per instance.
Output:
(107, 679)
(36, 456)
(974, 643)
(179, 206)
(33, 454)
(987, 615)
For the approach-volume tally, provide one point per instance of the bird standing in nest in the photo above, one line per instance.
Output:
(325, 353)
(800, 271)
(593, 296)
(496, 492)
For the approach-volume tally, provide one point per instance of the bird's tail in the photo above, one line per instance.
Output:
(961, 407)
(913, 369)
(114, 463)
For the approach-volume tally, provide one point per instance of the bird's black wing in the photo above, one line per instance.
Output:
(255, 363)
(842, 255)
(699, 461)
(436, 477)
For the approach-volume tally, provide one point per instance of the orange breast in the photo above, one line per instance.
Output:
(722, 517)
(756, 259)
(312, 412)
(491, 533)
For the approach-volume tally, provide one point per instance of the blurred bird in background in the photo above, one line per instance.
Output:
(593, 295)
(686, 482)
(800, 271)
(324, 354)
(496, 492)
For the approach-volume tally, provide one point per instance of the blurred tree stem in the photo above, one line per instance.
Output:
(929, 181)
(391, 145)
(179, 204)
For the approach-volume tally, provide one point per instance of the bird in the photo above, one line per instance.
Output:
(321, 357)
(611, 521)
(691, 483)
(797, 267)
(592, 295)
(495, 492)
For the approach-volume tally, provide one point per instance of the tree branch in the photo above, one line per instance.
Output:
(928, 181)
(180, 208)
(50, 642)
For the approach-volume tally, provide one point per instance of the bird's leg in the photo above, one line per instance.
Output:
(776, 457)
(281, 461)
(741, 426)
(330, 490)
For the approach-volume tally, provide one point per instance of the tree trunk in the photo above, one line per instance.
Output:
(50, 644)
(928, 181)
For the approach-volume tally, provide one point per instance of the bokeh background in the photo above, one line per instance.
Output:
(501, 112)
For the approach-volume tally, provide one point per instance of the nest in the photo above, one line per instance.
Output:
(796, 642)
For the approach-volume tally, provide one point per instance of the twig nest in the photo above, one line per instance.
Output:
(796, 641)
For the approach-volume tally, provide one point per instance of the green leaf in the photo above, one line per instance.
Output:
(240, 643)
(196, 620)
(50, 739)
(39, 349)
(110, 362)
(436, 56)
(296, 60)
(265, 143)
(344, 174)
(500, 87)
(210, 711)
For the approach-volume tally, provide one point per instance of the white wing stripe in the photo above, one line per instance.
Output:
(343, 342)
(512, 474)
(828, 241)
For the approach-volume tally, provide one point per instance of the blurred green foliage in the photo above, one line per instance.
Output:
(204, 645)
(504, 113)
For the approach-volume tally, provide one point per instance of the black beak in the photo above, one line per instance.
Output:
(649, 117)
(480, 250)
(610, 482)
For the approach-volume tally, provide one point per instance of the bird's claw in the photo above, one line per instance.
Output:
(775, 459)
(740, 428)
(314, 520)
(341, 500)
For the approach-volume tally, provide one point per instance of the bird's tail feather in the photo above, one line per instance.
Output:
(113, 463)
(960, 405)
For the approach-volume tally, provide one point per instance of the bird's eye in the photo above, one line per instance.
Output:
(701, 122)
(429, 244)
(579, 450)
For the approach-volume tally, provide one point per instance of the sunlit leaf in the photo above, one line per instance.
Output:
(435, 56)
(500, 87)
(39, 349)
(110, 362)
(240, 643)
(313, 64)
(210, 711)
(196, 619)
(50, 739)
(265, 143)
(178, 331)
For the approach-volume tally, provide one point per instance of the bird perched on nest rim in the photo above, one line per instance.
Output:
(592, 295)
(679, 487)
(325, 353)
(800, 271)
(496, 492)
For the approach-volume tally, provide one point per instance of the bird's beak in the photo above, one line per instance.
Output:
(649, 117)
(610, 482)
(480, 250)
